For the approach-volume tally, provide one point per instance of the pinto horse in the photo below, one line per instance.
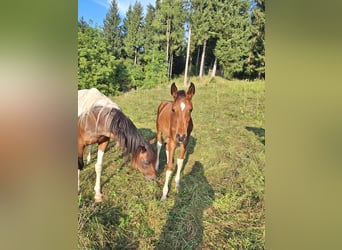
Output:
(175, 123)
(98, 124)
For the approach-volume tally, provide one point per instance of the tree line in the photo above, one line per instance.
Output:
(173, 38)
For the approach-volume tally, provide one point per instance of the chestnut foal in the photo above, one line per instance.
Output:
(175, 123)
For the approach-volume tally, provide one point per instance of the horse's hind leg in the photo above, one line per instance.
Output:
(98, 170)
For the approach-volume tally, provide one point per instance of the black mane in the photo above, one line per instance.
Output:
(127, 134)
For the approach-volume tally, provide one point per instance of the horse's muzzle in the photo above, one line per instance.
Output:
(180, 138)
(151, 178)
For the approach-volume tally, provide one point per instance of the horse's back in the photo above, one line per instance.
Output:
(88, 98)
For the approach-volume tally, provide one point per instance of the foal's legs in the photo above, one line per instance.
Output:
(159, 145)
(180, 163)
(98, 168)
(170, 147)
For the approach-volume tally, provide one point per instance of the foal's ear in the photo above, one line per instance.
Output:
(174, 90)
(191, 91)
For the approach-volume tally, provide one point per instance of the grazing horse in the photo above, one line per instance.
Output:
(99, 124)
(91, 97)
(175, 123)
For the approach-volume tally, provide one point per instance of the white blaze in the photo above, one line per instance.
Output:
(182, 105)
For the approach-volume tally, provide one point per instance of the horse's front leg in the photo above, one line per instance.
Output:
(170, 147)
(89, 153)
(159, 145)
(180, 161)
(80, 149)
(98, 169)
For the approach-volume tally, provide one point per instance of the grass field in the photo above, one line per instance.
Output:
(220, 204)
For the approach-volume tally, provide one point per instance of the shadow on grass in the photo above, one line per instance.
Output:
(189, 150)
(100, 227)
(259, 132)
(184, 226)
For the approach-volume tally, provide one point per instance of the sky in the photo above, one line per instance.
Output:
(96, 10)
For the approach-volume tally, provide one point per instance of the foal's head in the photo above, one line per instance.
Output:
(181, 112)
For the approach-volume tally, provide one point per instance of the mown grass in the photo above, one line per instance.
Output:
(220, 204)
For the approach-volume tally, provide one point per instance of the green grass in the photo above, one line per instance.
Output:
(220, 204)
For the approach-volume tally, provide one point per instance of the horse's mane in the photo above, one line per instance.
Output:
(127, 134)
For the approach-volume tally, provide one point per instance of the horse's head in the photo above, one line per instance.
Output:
(145, 160)
(181, 111)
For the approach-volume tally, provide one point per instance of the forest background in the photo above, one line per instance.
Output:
(174, 38)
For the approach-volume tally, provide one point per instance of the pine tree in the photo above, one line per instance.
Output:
(147, 30)
(112, 29)
(82, 24)
(169, 27)
(201, 20)
(132, 29)
(255, 65)
(233, 30)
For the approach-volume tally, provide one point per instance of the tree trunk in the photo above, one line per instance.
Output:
(168, 47)
(213, 72)
(187, 58)
(197, 59)
(135, 56)
(202, 60)
(167, 40)
(171, 65)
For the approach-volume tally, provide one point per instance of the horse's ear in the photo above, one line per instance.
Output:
(174, 90)
(191, 90)
(153, 140)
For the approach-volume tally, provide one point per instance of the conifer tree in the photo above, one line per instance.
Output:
(112, 29)
(132, 31)
(169, 26)
(255, 65)
(201, 18)
(233, 31)
(148, 30)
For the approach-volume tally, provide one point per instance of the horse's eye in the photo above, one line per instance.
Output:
(173, 110)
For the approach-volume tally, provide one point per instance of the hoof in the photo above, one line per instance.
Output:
(163, 198)
(98, 198)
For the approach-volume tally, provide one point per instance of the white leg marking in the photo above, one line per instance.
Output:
(182, 106)
(166, 185)
(78, 179)
(179, 169)
(159, 145)
(89, 154)
(167, 156)
(98, 169)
